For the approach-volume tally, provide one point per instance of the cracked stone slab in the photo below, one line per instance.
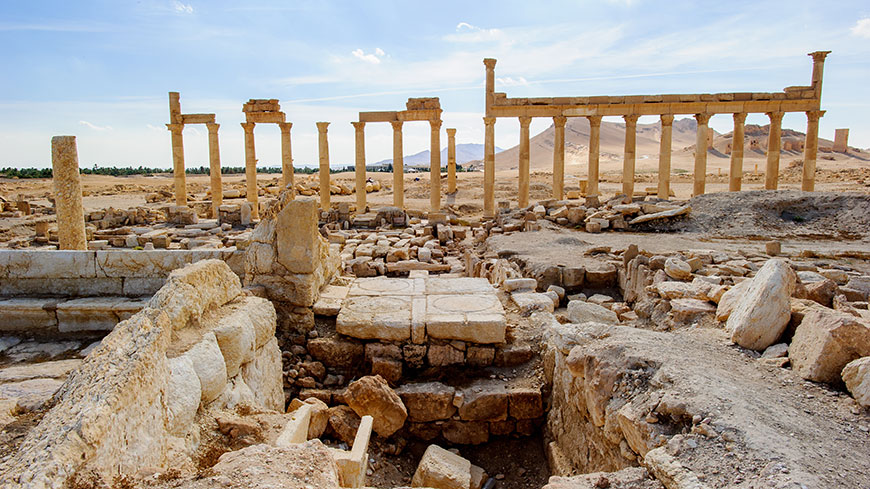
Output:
(473, 318)
(384, 286)
(376, 317)
(458, 285)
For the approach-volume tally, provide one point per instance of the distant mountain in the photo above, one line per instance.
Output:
(464, 153)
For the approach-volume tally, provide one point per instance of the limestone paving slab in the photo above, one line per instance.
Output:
(475, 318)
(458, 285)
(376, 317)
(381, 286)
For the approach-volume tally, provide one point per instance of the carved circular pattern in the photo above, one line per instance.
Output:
(384, 286)
(466, 304)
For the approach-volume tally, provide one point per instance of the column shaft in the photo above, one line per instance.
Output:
(811, 150)
(523, 196)
(701, 154)
(251, 191)
(489, 167)
(735, 179)
(323, 150)
(214, 167)
(559, 157)
(287, 177)
(774, 141)
(594, 147)
(68, 194)
(398, 166)
(629, 154)
(360, 166)
(664, 191)
(178, 163)
(435, 165)
(451, 161)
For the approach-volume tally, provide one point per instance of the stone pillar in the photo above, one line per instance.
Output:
(68, 193)
(811, 150)
(735, 179)
(398, 166)
(818, 70)
(178, 163)
(360, 165)
(774, 141)
(701, 154)
(490, 83)
(664, 191)
(841, 141)
(629, 154)
(489, 166)
(287, 177)
(214, 166)
(435, 165)
(594, 146)
(523, 194)
(252, 191)
(559, 157)
(323, 148)
(451, 161)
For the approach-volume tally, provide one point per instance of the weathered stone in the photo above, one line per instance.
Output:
(601, 276)
(685, 310)
(264, 376)
(761, 315)
(443, 355)
(372, 396)
(428, 401)
(678, 269)
(822, 291)
(377, 317)
(207, 361)
(856, 375)
(525, 403)
(344, 422)
(388, 368)
(442, 469)
(582, 312)
(730, 298)
(825, 341)
(298, 240)
(479, 356)
(484, 401)
(520, 284)
(337, 352)
(529, 302)
(183, 395)
(477, 318)
(465, 432)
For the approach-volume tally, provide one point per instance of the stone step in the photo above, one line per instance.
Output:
(46, 315)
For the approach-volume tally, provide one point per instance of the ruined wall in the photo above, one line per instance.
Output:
(200, 345)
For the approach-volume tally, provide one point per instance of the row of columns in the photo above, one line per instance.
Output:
(251, 190)
(630, 155)
(214, 163)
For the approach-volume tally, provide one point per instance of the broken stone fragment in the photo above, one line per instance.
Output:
(762, 313)
(370, 395)
(825, 341)
(856, 375)
(678, 269)
(582, 312)
(442, 469)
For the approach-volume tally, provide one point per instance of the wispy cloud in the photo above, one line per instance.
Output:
(512, 82)
(94, 126)
(862, 28)
(373, 58)
(182, 8)
(466, 32)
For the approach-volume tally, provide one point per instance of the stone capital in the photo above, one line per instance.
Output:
(248, 127)
(775, 116)
(703, 119)
(740, 118)
(285, 126)
(667, 119)
(397, 125)
(525, 121)
(490, 63)
(359, 126)
(321, 126)
(819, 55)
(175, 127)
(815, 115)
(451, 132)
(212, 127)
(435, 125)
(594, 120)
(631, 119)
(560, 120)
(489, 121)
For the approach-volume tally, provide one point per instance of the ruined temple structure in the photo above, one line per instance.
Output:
(177, 121)
(703, 106)
(260, 111)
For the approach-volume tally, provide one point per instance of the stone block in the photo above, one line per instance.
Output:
(458, 286)
(520, 284)
(389, 369)
(825, 341)
(582, 312)
(207, 361)
(484, 401)
(442, 469)
(465, 432)
(47, 264)
(479, 356)
(379, 286)
(856, 375)
(529, 302)
(371, 396)
(337, 352)
(183, 395)
(27, 314)
(525, 403)
(477, 319)
(298, 238)
(443, 355)
(373, 317)
(761, 315)
(95, 313)
(428, 401)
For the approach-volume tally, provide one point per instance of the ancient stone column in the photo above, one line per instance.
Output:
(398, 166)
(178, 163)
(214, 167)
(451, 161)
(251, 191)
(523, 195)
(287, 177)
(818, 71)
(774, 141)
(735, 179)
(594, 147)
(490, 83)
(664, 191)
(360, 165)
(489, 166)
(68, 193)
(701, 154)
(811, 150)
(323, 148)
(435, 165)
(559, 157)
(629, 154)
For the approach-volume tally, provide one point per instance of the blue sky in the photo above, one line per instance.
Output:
(101, 70)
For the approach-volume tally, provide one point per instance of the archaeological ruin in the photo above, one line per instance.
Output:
(558, 330)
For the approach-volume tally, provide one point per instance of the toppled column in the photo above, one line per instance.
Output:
(323, 151)
(701, 154)
(251, 170)
(286, 155)
(360, 165)
(523, 197)
(398, 166)
(774, 141)
(664, 190)
(214, 166)
(559, 156)
(68, 193)
(178, 163)
(594, 147)
(629, 154)
(489, 163)
(451, 161)
(811, 150)
(735, 178)
(435, 165)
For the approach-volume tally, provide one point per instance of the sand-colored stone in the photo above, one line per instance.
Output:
(251, 191)
(442, 469)
(700, 175)
(825, 341)
(286, 155)
(360, 164)
(856, 375)
(371, 396)
(398, 166)
(594, 149)
(214, 165)
(629, 155)
(68, 193)
(761, 315)
(451, 160)
(489, 162)
(811, 150)
(774, 142)
(664, 187)
(523, 195)
(435, 165)
(323, 154)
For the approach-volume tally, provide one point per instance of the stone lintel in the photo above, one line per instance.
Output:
(420, 115)
(197, 118)
(384, 116)
(265, 117)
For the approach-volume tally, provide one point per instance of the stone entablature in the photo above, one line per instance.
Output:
(177, 121)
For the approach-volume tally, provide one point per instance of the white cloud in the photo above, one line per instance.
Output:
(95, 127)
(155, 128)
(466, 32)
(373, 58)
(862, 28)
(182, 8)
(509, 81)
